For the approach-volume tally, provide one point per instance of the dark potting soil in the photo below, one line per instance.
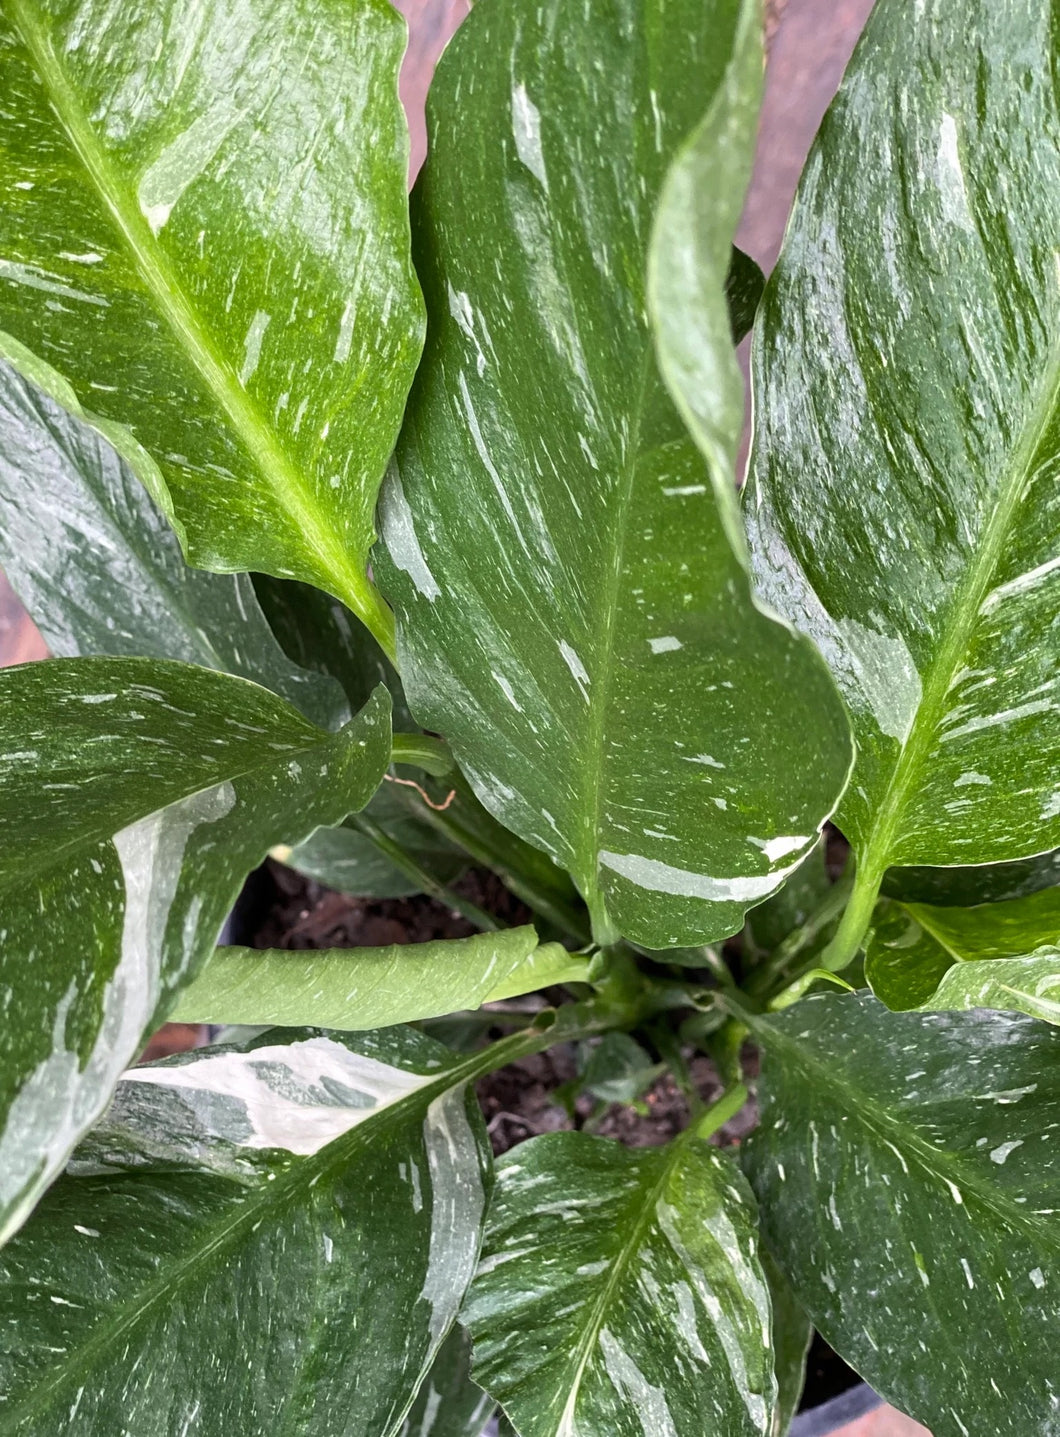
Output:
(281, 909)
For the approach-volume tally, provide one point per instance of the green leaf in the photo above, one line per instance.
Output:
(318, 632)
(744, 284)
(620, 1293)
(912, 946)
(1021, 985)
(348, 859)
(573, 615)
(618, 1070)
(907, 1176)
(980, 883)
(903, 518)
(135, 796)
(994, 930)
(792, 1335)
(211, 244)
(449, 1404)
(100, 570)
(358, 988)
(904, 962)
(261, 1241)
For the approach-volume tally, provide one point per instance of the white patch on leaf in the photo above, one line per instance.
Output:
(399, 535)
(295, 1096)
(526, 131)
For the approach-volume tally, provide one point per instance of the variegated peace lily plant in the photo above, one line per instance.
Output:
(573, 655)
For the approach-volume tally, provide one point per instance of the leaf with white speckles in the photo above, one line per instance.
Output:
(907, 390)
(1028, 985)
(317, 633)
(135, 796)
(253, 1241)
(911, 946)
(98, 567)
(574, 609)
(362, 988)
(204, 228)
(907, 1176)
(620, 1293)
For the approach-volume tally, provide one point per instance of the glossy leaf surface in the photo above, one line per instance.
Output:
(904, 962)
(994, 930)
(348, 1177)
(779, 916)
(1028, 985)
(906, 1170)
(620, 1293)
(912, 945)
(360, 988)
(135, 796)
(574, 612)
(907, 375)
(205, 229)
(99, 568)
(319, 633)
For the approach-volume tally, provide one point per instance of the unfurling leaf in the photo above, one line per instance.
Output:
(135, 796)
(358, 988)
(568, 570)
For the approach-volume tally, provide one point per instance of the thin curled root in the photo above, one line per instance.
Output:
(411, 783)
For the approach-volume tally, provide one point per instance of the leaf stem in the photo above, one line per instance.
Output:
(542, 900)
(419, 750)
(374, 612)
(568, 1024)
(427, 881)
(721, 1111)
(779, 967)
(847, 942)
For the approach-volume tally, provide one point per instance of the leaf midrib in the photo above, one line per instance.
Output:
(306, 1174)
(291, 487)
(961, 617)
(605, 638)
(626, 1253)
(883, 1125)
